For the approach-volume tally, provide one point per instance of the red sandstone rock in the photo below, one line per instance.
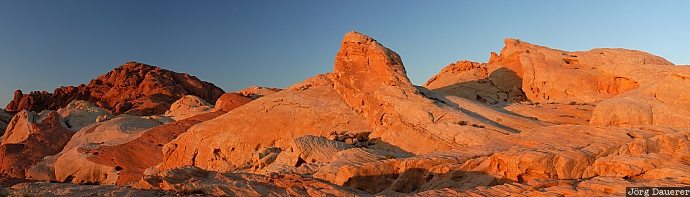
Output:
(229, 101)
(145, 151)
(133, 88)
(188, 106)
(29, 138)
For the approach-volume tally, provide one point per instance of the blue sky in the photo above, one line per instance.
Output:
(235, 44)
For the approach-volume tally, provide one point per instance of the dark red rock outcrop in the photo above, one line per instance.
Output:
(133, 88)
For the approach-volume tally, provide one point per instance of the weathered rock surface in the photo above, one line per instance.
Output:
(546, 157)
(78, 114)
(188, 106)
(227, 142)
(72, 163)
(132, 158)
(663, 103)
(628, 87)
(194, 180)
(303, 156)
(133, 88)
(591, 76)
(28, 139)
(229, 101)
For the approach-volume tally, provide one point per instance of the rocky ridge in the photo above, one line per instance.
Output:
(133, 88)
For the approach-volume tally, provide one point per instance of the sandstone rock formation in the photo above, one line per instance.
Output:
(663, 103)
(227, 142)
(540, 72)
(188, 106)
(539, 158)
(132, 158)
(133, 88)
(29, 138)
(368, 91)
(229, 101)
(72, 164)
(627, 87)
(372, 80)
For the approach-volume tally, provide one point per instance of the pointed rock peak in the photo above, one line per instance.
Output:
(513, 45)
(515, 42)
(354, 36)
(511, 41)
(364, 61)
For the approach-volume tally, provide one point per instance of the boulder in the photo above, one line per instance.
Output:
(133, 88)
(229, 101)
(664, 103)
(188, 106)
(26, 123)
(78, 114)
(132, 158)
(72, 163)
(28, 139)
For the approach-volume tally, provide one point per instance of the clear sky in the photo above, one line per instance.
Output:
(235, 44)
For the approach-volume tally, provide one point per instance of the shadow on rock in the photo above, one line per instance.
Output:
(419, 179)
(501, 88)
